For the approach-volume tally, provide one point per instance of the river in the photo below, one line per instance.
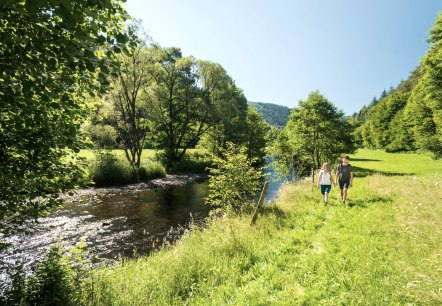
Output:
(121, 222)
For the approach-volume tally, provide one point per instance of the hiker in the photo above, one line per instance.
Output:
(325, 181)
(344, 174)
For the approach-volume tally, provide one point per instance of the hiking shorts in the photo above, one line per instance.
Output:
(344, 184)
(325, 188)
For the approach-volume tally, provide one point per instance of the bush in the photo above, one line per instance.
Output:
(56, 280)
(194, 161)
(102, 136)
(107, 170)
(151, 171)
(233, 180)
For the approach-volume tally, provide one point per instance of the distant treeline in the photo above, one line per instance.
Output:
(408, 117)
(274, 114)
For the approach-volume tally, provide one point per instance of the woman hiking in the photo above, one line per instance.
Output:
(325, 181)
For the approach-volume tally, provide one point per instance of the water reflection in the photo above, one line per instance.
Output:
(117, 224)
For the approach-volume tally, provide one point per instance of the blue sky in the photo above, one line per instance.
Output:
(279, 51)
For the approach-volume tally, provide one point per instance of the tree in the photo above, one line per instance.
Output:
(316, 132)
(424, 109)
(178, 112)
(255, 135)
(410, 116)
(233, 179)
(228, 118)
(53, 54)
(188, 99)
(129, 100)
(273, 114)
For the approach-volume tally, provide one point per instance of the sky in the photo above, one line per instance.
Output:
(279, 51)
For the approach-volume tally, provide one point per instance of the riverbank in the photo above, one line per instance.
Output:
(110, 167)
(169, 180)
(115, 222)
(383, 248)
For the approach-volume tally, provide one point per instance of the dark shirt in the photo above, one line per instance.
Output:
(344, 172)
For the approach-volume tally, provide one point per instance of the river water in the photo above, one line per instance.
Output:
(117, 223)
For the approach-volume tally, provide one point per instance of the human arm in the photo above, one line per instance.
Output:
(319, 178)
(351, 177)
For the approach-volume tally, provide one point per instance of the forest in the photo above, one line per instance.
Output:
(408, 117)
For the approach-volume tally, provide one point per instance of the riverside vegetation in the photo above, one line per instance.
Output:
(110, 167)
(383, 248)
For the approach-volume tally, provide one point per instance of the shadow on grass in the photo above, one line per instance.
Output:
(273, 210)
(365, 159)
(364, 203)
(364, 172)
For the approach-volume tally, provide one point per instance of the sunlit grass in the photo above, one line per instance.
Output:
(396, 163)
(147, 156)
(384, 248)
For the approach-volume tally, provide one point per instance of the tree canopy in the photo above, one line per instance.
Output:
(317, 132)
(53, 54)
(410, 117)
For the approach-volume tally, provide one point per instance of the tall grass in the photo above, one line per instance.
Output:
(115, 169)
(106, 169)
(384, 248)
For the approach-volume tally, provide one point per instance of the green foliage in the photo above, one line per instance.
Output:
(385, 127)
(233, 179)
(424, 110)
(150, 171)
(56, 280)
(53, 55)
(275, 115)
(102, 136)
(129, 100)
(229, 120)
(106, 169)
(384, 250)
(410, 117)
(255, 135)
(195, 161)
(178, 113)
(316, 133)
(191, 101)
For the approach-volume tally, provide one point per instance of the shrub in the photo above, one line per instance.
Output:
(151, 171)
(56, 279)
(106, 170)
(193, 161)
(233, 180)
(102, 136)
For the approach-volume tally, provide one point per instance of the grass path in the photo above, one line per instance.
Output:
(385, 248)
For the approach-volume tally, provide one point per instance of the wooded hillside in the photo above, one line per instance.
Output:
(274, 114)
(409, 117)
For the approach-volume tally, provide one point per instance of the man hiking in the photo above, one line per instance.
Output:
(344, 176)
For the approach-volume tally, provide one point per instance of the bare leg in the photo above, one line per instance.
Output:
(325, 198)
(344, 194)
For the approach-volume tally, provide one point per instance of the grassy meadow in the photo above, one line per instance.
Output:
(148, 156)
(383, 248)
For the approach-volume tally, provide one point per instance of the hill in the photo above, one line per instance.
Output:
(409, 117)
(274, 114)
